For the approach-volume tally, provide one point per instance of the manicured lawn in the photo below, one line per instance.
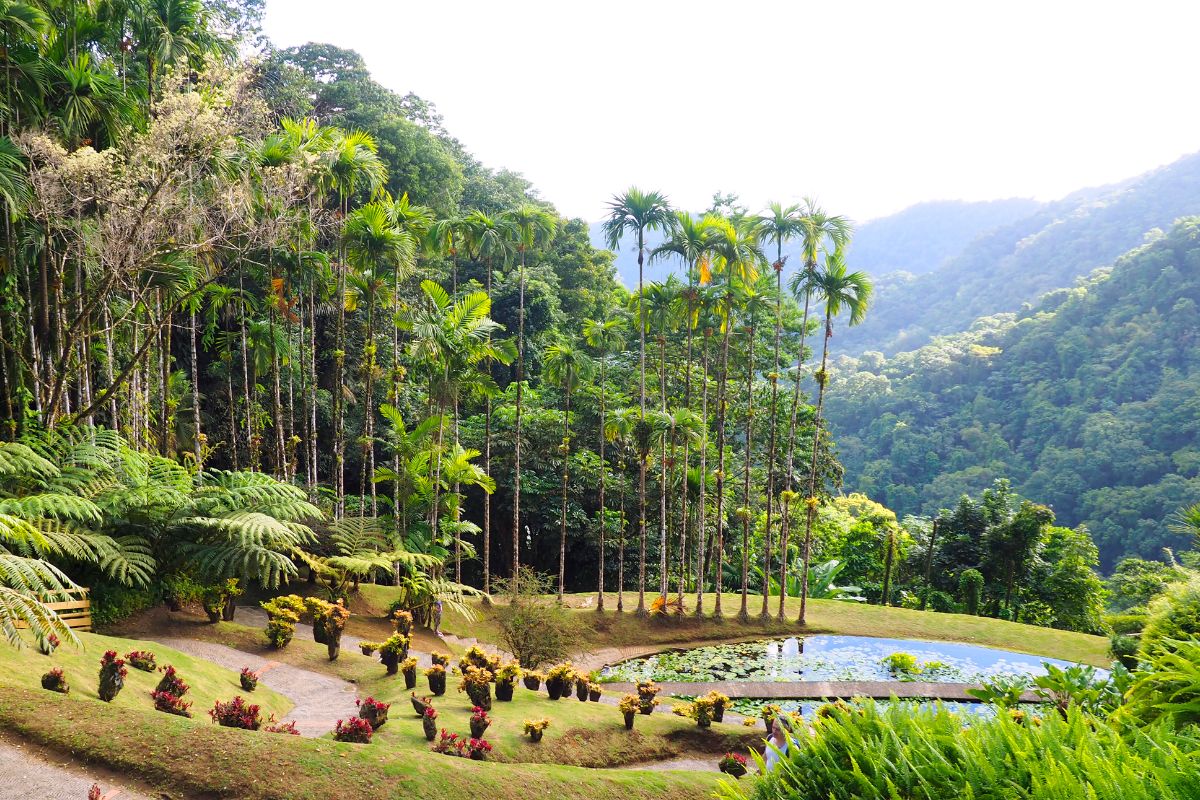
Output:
(208, 683)
(191, 760)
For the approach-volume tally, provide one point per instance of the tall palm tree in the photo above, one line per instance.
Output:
(619, 428)
(602, 335)
(661, 302)
(738, 259)
(530, 227)
(351, 164)
(566, 366)
(636, 212)
(490, 239)
(669, 426)
(819, 233)
(840, 290)
(779, 225)
(753, 303)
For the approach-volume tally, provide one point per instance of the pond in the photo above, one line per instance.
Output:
(830, 658)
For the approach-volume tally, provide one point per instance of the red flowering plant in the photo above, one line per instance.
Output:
(429, 723)
(447, 743)
(236, 713)
(171, 704)
(281, 727)
(373, 711)
(141, 659)
(55, 681)
(171, 682)
(49, 644)
(479, 721)
(478, 749)
(249, 679)
(733, 764)
(112, 676)
(355, 729)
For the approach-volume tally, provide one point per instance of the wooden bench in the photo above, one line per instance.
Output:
(75, 613)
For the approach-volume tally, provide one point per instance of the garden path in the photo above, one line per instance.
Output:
(31, 774)
(319, 700)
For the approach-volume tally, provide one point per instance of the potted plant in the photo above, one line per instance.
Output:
(477, 683)
(283, 613)
(559, 679)
(402, 622)
(429, 723)
(477, 749)
(419, 704)
(719, 703)
(171, 704)
(594, 692)
(392, 651)
(368, 648)
(408, 668)
(535, 728)
(236, 714)
(769, 712)
(112, 676)
(702, 711)
(439, 658)
(629, 706)
(581, 688)
(506, 680)
(56, 681)
(373, 711)
(356, 730)
(647, 696)
(141, 659)
(314, 609)
(171, 682)
(249, 679)
(330, 620)
(479, 722)
(436, 675)
(48, 644)
(733, 764)
(478, 657)
(533, 680)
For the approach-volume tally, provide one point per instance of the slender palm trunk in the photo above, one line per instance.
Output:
(603, 476)
(687, 403)
(314, 434)
(810, 501)
(721, 415)
(339, 361)
(662, 478)
(516, 523)
(566, 474)
(772, 445)
(701, 527)
(195, 368)
(487, 465)
(621, 550)
(744, 612)
(789, 463)
(643, 453)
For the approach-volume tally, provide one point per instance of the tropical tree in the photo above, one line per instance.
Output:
(602, 336)
(753, 303)
(819, 233)
(839, 290)
(566, 366)
(530, 227)
(636, 212)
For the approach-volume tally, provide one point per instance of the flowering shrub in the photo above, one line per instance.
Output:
(429, 723)
(733, 764)
(479, 721)
(595, 690)
(534, 728)
(402, 621)
(171, 704)
(94, 792)
(533, 680)
(477, 683)
(49, 644)
(396, 644)
(141, 659)
(373, 711)
(440, 659)
(702, 711)
(478, 748)
(408, 665)
(112, 676)
(720, 702)
(629, 704)
(248, 679)
(437, 679)
(449, 744)
(55, 681)
(437, 670)
(171, 682)
(477, 657)
(281, 727)
(236, 714)
(368, 648)
(355, 729)
(647, 696)
(282, 615)
(508, 672)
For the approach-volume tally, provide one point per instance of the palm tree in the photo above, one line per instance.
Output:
(490, 238)
(668, 427)
(705, 313)
(169, 31)
(619, 428)
(738, 257)
(753, 304)
(839, 289)
(351, 164)
(602, 335)
(530, 226)
(567, 366)
(637, 212)
(661, 302)
(374, 246)
(780, 224)
(819, 233)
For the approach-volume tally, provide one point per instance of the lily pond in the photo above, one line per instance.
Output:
(830, 658)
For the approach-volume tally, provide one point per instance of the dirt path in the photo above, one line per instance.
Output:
(320, 700)
(33, 774)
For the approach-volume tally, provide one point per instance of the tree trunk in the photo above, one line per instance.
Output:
(744, 612)
(772, 451)
(516, 523)
(662, 477)
(720, 512)
(643, 454)
(701, 527)
(790, 462)
(810, 501)
(195, 365)
(562, 518)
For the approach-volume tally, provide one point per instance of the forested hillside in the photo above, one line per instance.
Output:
(921, 238)
(1016, 263)
(1089, 403)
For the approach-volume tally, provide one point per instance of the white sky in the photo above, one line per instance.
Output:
(869, 106)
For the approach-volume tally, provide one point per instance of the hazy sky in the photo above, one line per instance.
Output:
(869, 106)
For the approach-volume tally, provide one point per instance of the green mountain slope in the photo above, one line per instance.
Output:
(1016, 263)
(1089, 402)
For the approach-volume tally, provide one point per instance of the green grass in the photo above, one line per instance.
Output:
(189, 759)
(23, 668)
(824, 616)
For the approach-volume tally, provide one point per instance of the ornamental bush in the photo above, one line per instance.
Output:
(141, 659)
(355, 730)
(236, 713)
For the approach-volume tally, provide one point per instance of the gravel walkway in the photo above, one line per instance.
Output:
(320, 700)
(30, 775)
